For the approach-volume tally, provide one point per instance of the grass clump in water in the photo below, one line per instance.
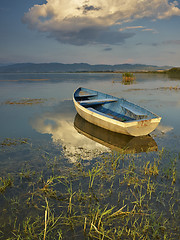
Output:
(5, 182)
(13, 142)
(128, 78)
(25, 101)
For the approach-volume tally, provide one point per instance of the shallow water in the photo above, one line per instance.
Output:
(54, 118)
(39, 128)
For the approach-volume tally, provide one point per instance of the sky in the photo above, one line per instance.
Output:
(90, 31)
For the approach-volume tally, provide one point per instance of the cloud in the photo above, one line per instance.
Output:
(91, 35)
(168, 42)
(155, 44)
(130, 60)
(164, 129)
(81, 22)
(172, 42)
(107, 49)
(149, 30)
(89, 8)
(139, 43)
(143, 29)
(131, 27)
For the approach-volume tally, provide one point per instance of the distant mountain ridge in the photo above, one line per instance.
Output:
(77, 67)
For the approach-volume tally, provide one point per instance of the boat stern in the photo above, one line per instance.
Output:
(143, 127)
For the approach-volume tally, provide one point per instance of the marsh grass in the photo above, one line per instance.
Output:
(128, 78)
(116, 196)
(25, 101)
(5, 182)
(7, 142)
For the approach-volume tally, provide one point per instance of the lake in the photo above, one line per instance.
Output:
(41, 137)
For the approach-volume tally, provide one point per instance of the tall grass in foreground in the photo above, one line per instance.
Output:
(116, 196)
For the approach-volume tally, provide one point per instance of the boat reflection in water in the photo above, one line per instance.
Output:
(115, 141)
(93, 141)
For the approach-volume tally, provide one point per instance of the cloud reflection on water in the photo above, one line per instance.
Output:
(60, 126)
(79, 138)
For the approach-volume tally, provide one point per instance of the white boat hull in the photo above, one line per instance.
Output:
(133, 128)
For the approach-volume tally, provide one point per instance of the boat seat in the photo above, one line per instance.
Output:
(134, 111)
(87, 103)
(100, 113)
(86, 95)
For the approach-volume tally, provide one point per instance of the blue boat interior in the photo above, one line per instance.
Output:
(110, 106)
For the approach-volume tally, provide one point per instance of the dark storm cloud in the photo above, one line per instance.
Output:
(91, 36)
(87, 8)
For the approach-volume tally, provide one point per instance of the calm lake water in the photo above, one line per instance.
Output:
(37, 115)
(53, 119)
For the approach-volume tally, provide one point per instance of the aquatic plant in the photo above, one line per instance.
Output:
(25, 101)
(128, 75)
(115, 196)
(13, 142)
(5, 182)
(128, 78)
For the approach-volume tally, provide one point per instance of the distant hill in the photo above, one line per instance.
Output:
(3, 64)
(173, 72)
(76, 67)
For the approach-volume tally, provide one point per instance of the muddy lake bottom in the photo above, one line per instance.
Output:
(60, 178)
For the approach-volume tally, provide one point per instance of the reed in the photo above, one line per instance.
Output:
(128, 78)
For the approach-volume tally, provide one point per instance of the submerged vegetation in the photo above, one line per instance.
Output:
(114, 196)
(128, 78)
(26, 101)
(13, 142)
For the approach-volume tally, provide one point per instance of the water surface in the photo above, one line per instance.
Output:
(54, 118)
(49, 156)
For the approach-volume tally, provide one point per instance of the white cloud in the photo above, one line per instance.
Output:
(149, 30)
(141, 28)
(131, 27)
(89, 21)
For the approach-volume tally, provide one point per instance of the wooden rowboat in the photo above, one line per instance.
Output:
(114, 114)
